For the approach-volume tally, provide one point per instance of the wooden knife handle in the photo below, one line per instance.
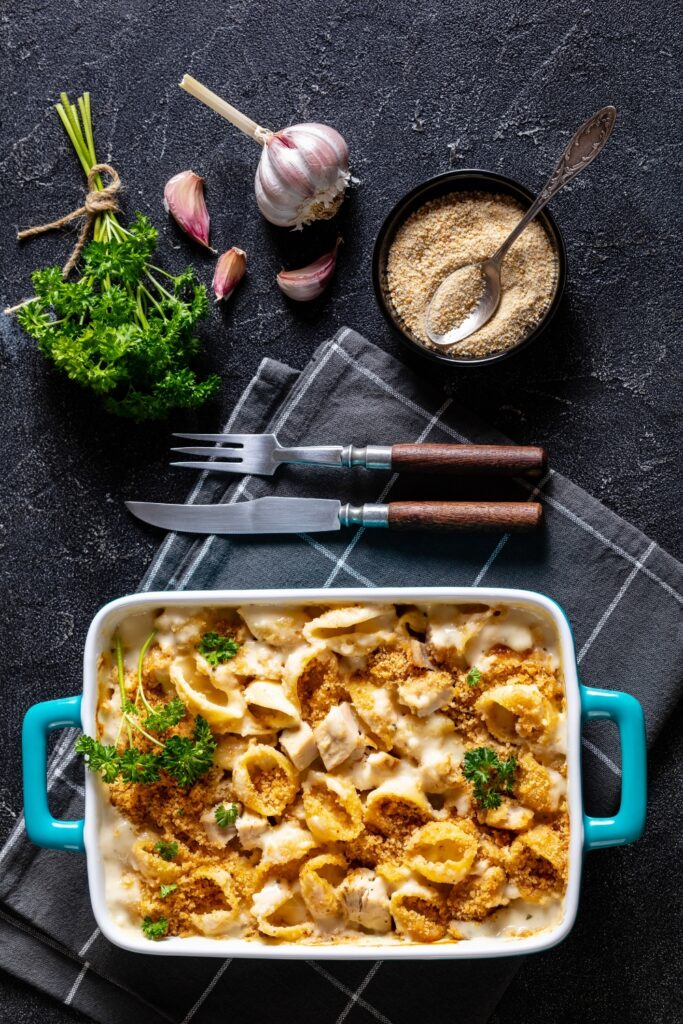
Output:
(470, 459)
(464, 515)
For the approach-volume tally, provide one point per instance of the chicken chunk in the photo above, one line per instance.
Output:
(338, 736)
(299, 745)
(251, 828)
(366, 900)
(217, 836)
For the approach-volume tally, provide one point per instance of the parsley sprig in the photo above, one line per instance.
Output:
(185, 759)
(166, 850)
(473, 677)
(216, 648)
(491, 777)
(226, 816)
(164, 718)
(155, 929)
(125, 327)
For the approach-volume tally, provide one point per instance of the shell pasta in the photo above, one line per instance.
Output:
(334, 773)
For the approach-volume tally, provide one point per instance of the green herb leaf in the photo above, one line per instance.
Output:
(99, 758)
(164, 718)
(167, 851)
(155, 929)
(136, 766)
(217, 648)
(166, 890)
(187, 760)
(491, 778)
(226, 816)
(473, 677)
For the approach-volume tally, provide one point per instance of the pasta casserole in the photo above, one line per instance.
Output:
(336, 773)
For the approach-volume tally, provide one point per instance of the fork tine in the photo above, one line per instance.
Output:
(237, 439)
(232, 454)
(246, 466)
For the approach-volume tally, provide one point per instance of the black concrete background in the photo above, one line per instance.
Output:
(416, 88)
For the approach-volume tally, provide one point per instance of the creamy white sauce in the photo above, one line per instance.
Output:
(519, 916)
(133, 632)
(121, 889)
(520, 629)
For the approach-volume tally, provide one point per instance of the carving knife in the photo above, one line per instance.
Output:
(319, 515)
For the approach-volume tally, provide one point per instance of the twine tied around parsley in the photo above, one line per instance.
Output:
(99, 199)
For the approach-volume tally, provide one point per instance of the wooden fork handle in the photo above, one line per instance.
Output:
(464, 515)
(469, 459)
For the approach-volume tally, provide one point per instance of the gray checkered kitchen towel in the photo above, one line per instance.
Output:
(608, 577)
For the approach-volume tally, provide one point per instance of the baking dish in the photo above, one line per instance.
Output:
(586, 832)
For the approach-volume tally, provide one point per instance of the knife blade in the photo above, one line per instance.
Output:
(262, 515)
(318, 515)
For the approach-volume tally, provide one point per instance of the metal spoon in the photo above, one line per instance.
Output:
(583, 148)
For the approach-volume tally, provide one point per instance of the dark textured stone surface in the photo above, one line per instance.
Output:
(416, 89)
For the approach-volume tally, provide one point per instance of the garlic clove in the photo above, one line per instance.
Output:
(230, 269)
(309, 282)
(302, 175)
(184, 200)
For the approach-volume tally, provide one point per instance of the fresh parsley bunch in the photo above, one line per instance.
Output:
(491, 777)
(124, 328)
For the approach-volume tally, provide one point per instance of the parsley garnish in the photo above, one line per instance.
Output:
(166, 890)
(184, 759)
(226, 816)
(124, 328)
(490, 776)
(99, 758)
(134, 766)
(217, 648)
(155, 929)
(187, 760)
(164, 718)
(167, 851)
(473, 677)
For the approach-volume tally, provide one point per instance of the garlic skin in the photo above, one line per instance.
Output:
(309, 282)
(184, 200)
(230, 269)
(302, 174)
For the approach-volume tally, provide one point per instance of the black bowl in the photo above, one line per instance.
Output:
(433, 188)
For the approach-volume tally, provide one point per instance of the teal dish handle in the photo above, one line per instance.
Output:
(41, 827)
(627, 825)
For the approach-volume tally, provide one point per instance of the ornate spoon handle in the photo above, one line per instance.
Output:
(581, 150)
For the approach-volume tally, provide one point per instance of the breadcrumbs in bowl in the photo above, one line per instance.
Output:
(448, 223)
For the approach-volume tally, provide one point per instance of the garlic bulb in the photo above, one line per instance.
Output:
(184, 200)
(303, 171)
(309, 282)
(302, 175)
(230, 269)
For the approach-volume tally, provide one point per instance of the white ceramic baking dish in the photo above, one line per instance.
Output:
(586, 832)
